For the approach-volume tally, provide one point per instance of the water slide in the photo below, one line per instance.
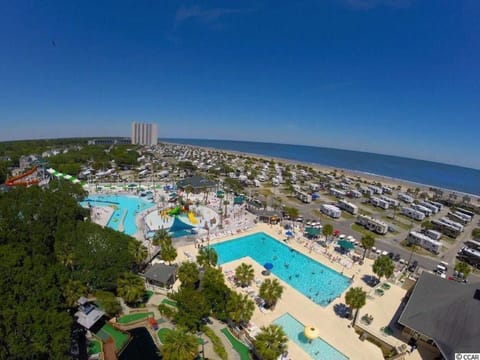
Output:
(192, 218)
(14, 181)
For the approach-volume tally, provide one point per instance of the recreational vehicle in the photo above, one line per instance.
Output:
(163, 173)
(392, 202)
(457, 218)
(405, 198)
(375, 201)
(435, 235)
(436, 204)
(465, 217)
(432, 208)
(303, 196)
(348, 207)
(354, 194)
(424, 241)
(372, 224)
(470, 256)
(473, 244)
(452, 223)
(376, 189)
(366, 191)
(275, 181)
(314, 187)
(337, 193)
(387, 189)
(331, 211)
(422, 209)
(466, 212)
(445, 228)
(413, 214)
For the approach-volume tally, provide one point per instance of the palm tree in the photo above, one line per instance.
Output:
(167, 250)
(130, 287)
(207, 256)
(179, 345)
(244, 274)
(240, 308)
(188, 274)
(138, 250)
(160, 235)
(383, 266)
(368, 241)
(271, 342)
(73, 291)
(355, 298)
(327, 230)
(271, 291)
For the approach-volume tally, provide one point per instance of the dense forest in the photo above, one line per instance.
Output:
(50, 254)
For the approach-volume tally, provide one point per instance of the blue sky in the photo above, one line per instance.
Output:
(388, 76)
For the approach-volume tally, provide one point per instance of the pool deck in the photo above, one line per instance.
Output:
(334, 330)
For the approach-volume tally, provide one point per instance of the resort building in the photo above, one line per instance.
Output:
(110, 141)
(197, 184)
(87, 314)
(443, 315)
(161, 275)
(372, 224)
(144, 134)
(424, 241)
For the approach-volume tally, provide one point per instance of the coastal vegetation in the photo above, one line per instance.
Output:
(271, 342)
(355, 298)
(383, 267)
(367, 241)
(244, 274)
(50, 253)
(271, 291)
(179, 345)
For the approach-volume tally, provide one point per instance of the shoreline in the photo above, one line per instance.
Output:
(348, 172)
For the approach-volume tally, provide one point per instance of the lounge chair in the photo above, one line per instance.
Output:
(386, 286)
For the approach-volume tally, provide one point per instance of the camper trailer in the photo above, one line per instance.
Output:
(413, 214)
(429, 206)
(436, 204)
(303, 196)
(354, 194)
(457, 217)
(391, 202)
(337, 193)
(376, 189)
(331, 211)
(445, 228)
(375, 201)
(422, 209)
(348, 207)
(466, 212)
(424, 241)
(435, 235)
(405, 198)
(372, 224)
(453, 223)
(366, 191)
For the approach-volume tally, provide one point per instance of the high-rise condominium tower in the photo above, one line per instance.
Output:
(144, 134)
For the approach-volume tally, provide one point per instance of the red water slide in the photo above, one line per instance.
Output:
(14, 181)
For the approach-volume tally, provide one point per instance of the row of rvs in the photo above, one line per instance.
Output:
(447, 227)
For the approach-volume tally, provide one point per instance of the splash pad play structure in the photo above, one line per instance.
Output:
(182, 220)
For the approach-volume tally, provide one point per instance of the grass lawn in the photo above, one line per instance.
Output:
(118, 337)
(94, 347)
(169, 302)
(134, 317)
(360, 229)
(239, 347)
(364, 211)
(396, 222)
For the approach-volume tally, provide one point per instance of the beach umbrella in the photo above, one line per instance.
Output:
(289, 233)
(345, 244)
(311, 332)
(268, 266)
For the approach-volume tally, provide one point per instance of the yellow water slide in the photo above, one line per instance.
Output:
(192, 218)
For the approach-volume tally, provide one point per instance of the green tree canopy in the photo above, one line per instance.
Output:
(192, 308)
(131, 288)
(383, 266)
(367, 241)
(355, 298)
(271, 342)
(207, 256)
(216, 292)
(240, 308)
(179, 345)
(188, 274)
(244, 274)
(108, 302)
(271, 291)
(167, 250)
(327, 230)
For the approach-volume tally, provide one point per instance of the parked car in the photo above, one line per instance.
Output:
(413, 266)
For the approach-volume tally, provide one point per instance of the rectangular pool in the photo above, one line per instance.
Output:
(317, 282)
(317, 349)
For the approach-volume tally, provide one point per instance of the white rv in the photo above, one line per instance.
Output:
(424, 241)
(432, 208)
(337, 193)
(375, 201)
(453, 224)
(412, 213)
(354, 194)
(405, 198)
(331, 211)
(303, 196)
(422, 209)
(391, 202)
(436, 204)
(435, 235)
(372, 224)
(348, 207)
(445, 228)
(376, 189)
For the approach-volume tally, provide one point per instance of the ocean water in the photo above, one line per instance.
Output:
(316, 281)
(419, 171)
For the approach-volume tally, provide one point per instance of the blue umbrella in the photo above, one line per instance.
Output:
(268, 266)
(289, 233)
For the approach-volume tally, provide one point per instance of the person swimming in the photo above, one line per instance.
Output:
(286, 265)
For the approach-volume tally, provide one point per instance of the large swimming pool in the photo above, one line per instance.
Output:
(125, 207)
(317, 282)
(317, 349)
